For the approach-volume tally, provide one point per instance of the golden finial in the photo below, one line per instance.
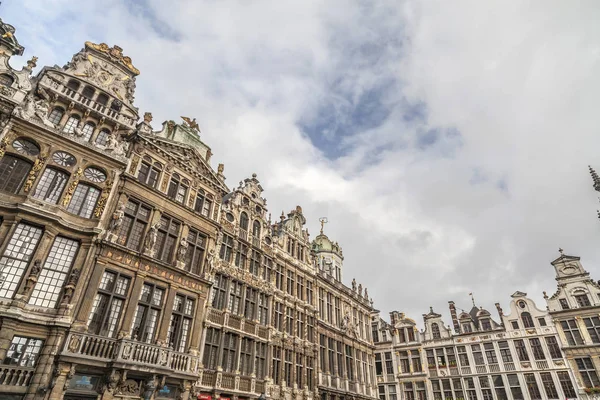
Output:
(323, 221)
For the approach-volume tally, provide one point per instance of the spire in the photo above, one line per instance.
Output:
(595, 178)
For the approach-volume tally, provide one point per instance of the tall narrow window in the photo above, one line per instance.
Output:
(202, 204)
(536, 347)
(72, 123)
(226, 248)
(229, 361)
(564, 304)
(241, 255)
(527, 320)
(17, 256)
(244, 221)
(211, 348)
(548, 384)
(582, 300)
(181, 323)
(178, 188)
(255, 263)
(263, 309)
(587, 372)
(267, 272)
(250, 303)
(13, 172)
(499, 387)
(532, 386)
(256, 229)
(349, 362)
(521, 350)
(84, 200)
(289, 321)
(149, 172)
(278, 316)
(134, 224)
(553, 347)
(276, 365)
(435, 331)
(54, 273)
(235, 297)
(490, 353)
(246, 356)
(168, 232)
(505, 352)
(287, 367)
(195, 252)
(566, 384)
(51, 185)
(23, 351)
(261, 360)
(515, 386)
(571, 332)
(87, 131)
(219, 291)
(108, 304)
(593, 327)
(147, 313)
(56, 115)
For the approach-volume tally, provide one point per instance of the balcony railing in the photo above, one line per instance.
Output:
(13, 375)
(130, 352)
(508, 366)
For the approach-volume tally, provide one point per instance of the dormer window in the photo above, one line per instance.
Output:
(564, 304)
(6, 80)
(486, 325)
(384, 335)
(527, 320)
(435, 331)
(244, 221)
(88, 92)
(582, 300)
(466, 328)
(256, 229)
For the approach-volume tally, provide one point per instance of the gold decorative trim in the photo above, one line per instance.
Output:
(115, 53)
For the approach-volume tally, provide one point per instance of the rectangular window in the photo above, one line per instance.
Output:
(23, 351)
(532, 387)
(310, 328)
(261, 360)
(323, 352)
(263, 309)
(389, 366)
(463, 358)
(515, 386)
(133, 226)
(276, 365)
(571, 332)
(310, 362)
(241, 255)
(289, 321)
(416, 362)
(564, 304)
(378, 364)
(486, 391)
(202, 204)
(553, 347)
(181, 323)
(147, 313)
(267, 269)
(246, 356)
(219, 292)
(309, 292)
(514, 324)
(211, 348)
(278, 316)
(84, 200)
(195, 253)
(536, 347)
(300, 324)
(499, 387)
(289, 288)
(566, 384)
(300, 287)
(226, 248)
(392, 392)
(421, 392)
(548, 384)
(54, 273)
(542, 321)
(168, 232)
(279, 277)
(255, 263)
(587, 372)
(408, 391)
(593, 327)
(250, 303)
(521, 350)
(477, 355)
(582, 300)
(287, 367)
(299, 369)
(375, 333)
(490, 353)
(16, 257)
(148, 174)
(505, 352)
(51, 185)
(381, 390)
(235, 297)
(229, 360)
(108, 304)
(350, 362)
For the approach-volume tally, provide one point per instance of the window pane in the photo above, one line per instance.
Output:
(13, 172)
(51, 185)
(84, 200)
(16, 257)
(54, 273)
(23, 351)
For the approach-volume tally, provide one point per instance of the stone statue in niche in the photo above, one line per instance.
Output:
(115, 223)
(181, 253)
(149, 248)
(111, 142)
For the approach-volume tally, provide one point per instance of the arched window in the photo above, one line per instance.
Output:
(256, 229)
(84, 200)
(178, 188)
(6, 80)
(527, 320)
(87, 130)
(102, 99)
(486, 324)
(13, 172)
(149, 172)
(73, 85)
(102, 137)
(56, 115)
(203, 203)
(26, 146)
(51, 185)
(435, 330)
(244, 221)
(88, 92)
(72, 123)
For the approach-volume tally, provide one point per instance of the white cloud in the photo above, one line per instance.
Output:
(421, 222)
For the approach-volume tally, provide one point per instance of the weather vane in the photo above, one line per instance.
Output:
(323, 221)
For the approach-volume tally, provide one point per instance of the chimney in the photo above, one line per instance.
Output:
(454, 317)
(394, 317)
(500, 313)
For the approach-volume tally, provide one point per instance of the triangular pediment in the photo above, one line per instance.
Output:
(565, 258)
(186, 158)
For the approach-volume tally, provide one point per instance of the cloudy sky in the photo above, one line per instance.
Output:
(446, 142)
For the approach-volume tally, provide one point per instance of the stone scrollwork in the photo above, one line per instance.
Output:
(104, 197)
(72, 186)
